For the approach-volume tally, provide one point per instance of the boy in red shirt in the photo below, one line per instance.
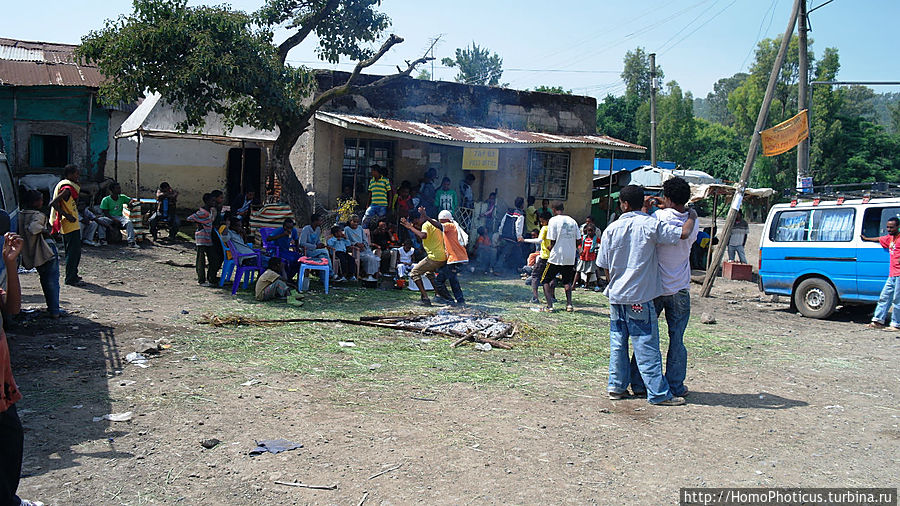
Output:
(890, 294)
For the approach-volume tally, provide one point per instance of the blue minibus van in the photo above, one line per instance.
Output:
(812, 252)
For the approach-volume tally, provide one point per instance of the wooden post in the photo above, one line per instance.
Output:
(803, 84)
(653, 109)
(751, 152)
(712, 230)
(612, 158)
(137, 167)
(242, 183)
(116, 159)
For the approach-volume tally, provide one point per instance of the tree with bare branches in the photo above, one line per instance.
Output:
(213, 59)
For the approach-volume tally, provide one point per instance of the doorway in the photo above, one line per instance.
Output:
(239, 181)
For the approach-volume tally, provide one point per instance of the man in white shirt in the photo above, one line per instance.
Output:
(563, 234)
(675, 278)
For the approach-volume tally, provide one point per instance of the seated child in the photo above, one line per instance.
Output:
(405, 258)
(271, 284)
(338, 243)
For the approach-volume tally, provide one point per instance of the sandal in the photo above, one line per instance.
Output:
(570, 309)
(875, 325)
(546, 309)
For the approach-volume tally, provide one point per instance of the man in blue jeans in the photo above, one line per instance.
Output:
(889, 301)
(675, 277)
(628, 256)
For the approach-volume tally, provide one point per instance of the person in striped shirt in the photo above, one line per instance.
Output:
(380, 194)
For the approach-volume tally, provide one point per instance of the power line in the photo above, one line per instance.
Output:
(771, 15)
(699, 27)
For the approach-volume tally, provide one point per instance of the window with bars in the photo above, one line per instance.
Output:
(548, 175)
(359, 155)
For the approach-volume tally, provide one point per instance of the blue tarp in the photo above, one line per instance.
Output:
(601, 165)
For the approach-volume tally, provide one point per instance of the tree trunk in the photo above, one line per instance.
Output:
(292, 190)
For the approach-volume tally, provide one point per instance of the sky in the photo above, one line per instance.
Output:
(578, 45)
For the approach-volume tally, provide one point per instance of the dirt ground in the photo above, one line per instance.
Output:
(814, 403)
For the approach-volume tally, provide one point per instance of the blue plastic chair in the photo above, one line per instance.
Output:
(326, 274)
(227, 263)
(246, 271)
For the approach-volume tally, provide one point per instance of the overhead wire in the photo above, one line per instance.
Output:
(698, 28)
(768, 14)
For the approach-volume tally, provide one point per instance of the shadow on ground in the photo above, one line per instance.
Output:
(62, 368)
(762, 400)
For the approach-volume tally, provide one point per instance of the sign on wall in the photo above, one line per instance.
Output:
(480, 158)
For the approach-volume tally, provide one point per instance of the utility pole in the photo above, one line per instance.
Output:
(653, 109)
(802, 93)
(735, 206)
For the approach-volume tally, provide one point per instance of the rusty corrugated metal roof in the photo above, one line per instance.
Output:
(473, 136)
(25, 63)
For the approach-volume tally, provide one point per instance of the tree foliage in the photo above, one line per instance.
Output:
(476, 65)
(213, 59)
(636, 73)
(559, 90)
(675, 128)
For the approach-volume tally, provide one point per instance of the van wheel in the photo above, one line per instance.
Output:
(815, 298)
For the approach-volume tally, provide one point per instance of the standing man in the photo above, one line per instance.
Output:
(628, 255)
(890, 294)
(445, 199)
(111, 207)
(455, 240)
(12, 437)
(511, 227)
(675, 277)
(466, 194)
(563, 234)
(380, 194)
(738, 239)
(64, 219)
(427, 191)
(432, 237)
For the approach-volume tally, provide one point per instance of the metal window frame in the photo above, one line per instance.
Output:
(532, 153)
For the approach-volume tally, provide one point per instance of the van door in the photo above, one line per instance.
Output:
(872, 259)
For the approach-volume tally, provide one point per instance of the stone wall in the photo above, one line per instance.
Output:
(467, 105)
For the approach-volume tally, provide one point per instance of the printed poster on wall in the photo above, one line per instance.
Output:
(480, 158)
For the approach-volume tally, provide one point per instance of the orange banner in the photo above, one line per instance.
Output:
(785, 135)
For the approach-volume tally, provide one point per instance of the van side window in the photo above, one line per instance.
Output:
(816, 225)
(876, 218)
(790, 226)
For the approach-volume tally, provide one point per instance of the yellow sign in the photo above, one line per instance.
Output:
(785, 135)
(480, 158)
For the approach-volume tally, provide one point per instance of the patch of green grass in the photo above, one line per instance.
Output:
(571, 347)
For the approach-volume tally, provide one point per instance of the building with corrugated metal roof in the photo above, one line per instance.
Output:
(49, 112)
(517, 143)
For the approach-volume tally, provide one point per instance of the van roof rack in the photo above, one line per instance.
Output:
(841, 192)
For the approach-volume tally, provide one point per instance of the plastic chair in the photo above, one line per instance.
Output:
(227, 262)
(326, 274)
(245, 271)
(271, 249)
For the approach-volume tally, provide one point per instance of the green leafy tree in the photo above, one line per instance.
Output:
(717, 150)
(616, 117)
(675, 126)
(717, 100)
(636, 73)
(559, 90)
(207, 59)
(476, 65)
(424, 75)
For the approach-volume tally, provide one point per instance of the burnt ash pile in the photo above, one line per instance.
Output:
(482, 328)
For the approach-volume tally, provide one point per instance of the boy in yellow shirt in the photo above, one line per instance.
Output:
(541, 263)
(432, 237)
